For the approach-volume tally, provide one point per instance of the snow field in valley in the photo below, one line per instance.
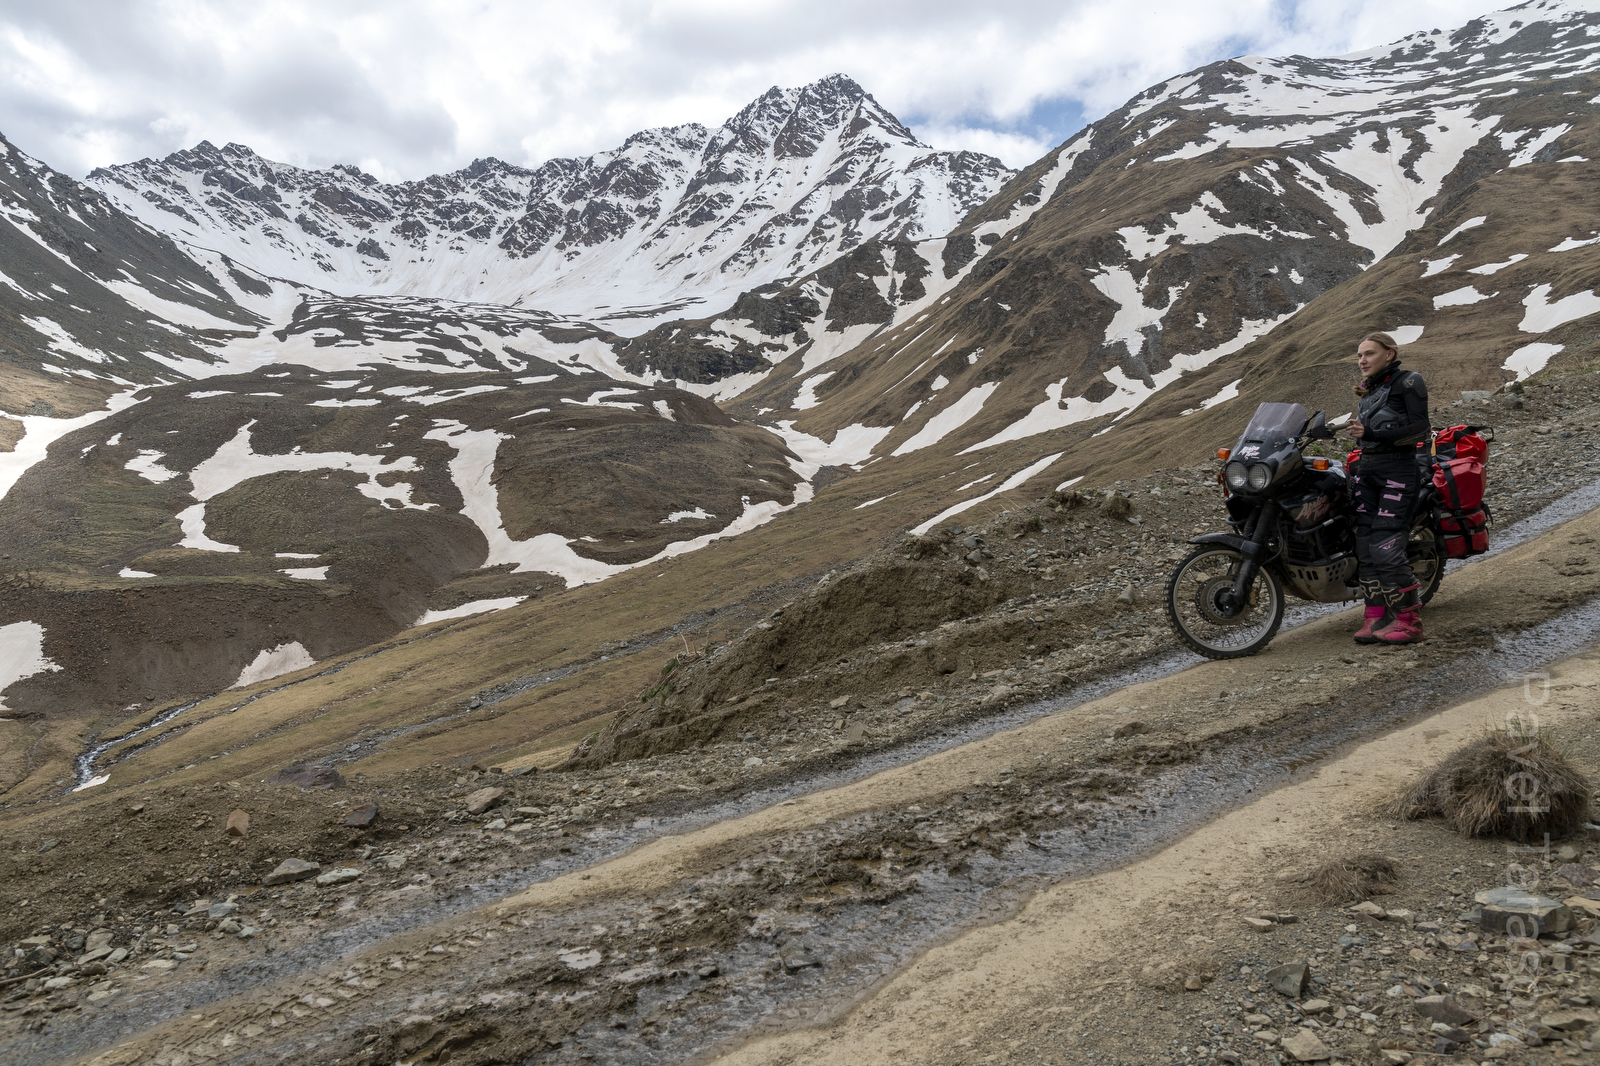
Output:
(236, 461)
(472, 469)
(39, 432)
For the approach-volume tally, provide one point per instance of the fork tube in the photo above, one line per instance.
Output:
(1251, 565)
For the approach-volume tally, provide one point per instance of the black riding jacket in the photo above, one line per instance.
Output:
(1394, 410)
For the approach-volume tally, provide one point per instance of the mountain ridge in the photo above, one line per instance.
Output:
(795, 177)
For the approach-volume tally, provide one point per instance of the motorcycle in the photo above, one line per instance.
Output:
(1294, 524)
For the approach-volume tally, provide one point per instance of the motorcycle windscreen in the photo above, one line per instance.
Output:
(1273, 426)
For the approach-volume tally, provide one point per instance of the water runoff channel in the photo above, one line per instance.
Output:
(867, 943)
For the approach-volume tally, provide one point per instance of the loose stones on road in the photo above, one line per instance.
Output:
(338, 876)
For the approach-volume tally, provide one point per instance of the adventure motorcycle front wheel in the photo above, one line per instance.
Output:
(1199, 605)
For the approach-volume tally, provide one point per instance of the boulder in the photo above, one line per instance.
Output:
(292, 870)
(1305, 1047)
(1446, 1009)
(1290, 979)
(361, 817)
(483, 799)
(1518, 912)
(239, 824)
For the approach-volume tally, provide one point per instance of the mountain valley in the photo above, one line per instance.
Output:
(670, 486)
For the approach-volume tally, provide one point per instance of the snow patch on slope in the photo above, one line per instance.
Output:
(1542, 316)
(275, 662)
(1015, 481)
(22, 655)
(237, 461)
(950, 419)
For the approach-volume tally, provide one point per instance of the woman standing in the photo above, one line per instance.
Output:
(1391, 420)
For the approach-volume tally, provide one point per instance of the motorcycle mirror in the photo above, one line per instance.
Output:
(1318, 428)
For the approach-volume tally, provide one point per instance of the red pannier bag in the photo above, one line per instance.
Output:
(1461, 442)
(1465, 533)
(1459, 483)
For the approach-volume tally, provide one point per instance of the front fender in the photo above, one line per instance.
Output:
(1247, 548)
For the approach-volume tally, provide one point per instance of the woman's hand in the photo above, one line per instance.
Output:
(1357, 429)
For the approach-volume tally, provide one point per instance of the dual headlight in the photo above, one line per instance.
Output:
(1252, 478)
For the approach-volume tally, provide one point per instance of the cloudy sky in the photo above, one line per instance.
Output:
(406, 88)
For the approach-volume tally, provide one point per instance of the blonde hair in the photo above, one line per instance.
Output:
(1384, 341)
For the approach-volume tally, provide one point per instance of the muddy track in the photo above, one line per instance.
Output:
(784, 908)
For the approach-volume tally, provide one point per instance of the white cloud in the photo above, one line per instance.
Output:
(411, 87)
(1016, 149)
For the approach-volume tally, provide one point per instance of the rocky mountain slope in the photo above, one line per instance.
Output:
(677, 216)
(91, 301)
(1169, 251)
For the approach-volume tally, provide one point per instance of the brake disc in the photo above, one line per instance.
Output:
(1206, 602)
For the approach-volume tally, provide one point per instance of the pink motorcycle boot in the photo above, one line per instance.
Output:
(1375, 619)
(1406, 628)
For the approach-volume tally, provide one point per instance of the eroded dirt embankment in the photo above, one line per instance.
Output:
(1155, 962)
(743, 922)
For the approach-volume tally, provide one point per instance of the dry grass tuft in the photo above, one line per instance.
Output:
(1117, 508)
(1352, 880)
(1069, 500)
(1512, 784)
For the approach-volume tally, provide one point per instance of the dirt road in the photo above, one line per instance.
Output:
(882, 909)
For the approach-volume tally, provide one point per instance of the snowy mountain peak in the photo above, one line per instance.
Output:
(674, 216)
(795, 122)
